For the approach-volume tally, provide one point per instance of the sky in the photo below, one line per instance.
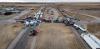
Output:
(49, 0)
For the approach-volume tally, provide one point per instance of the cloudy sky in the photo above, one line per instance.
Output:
(49, 0)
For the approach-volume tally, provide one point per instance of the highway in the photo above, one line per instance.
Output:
(56, 35)
(22, 39)
(12, 20)
(84, 35)
(51, 35)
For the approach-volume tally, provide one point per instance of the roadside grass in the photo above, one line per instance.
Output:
(8, 33)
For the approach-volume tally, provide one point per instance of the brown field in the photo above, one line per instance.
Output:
(56, 36)
(95, 13)
(94, 29)
(79, 11)
(7, 33)
(85, 8)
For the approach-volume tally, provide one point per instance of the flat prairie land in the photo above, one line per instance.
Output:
(56, 36)
(94, 29)
(87, 12)
(7, 33)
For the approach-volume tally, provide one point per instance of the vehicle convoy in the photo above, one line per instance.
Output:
(92, 41)
(32, 22)
(29, 21)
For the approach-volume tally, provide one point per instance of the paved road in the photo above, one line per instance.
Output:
(56, 36)
(16, 40)
(21, 41)
(12, 20)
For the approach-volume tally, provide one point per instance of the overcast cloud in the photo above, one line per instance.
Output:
(49, 0)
